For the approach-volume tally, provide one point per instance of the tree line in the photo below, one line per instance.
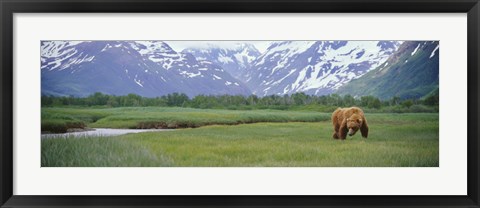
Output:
(284, 102)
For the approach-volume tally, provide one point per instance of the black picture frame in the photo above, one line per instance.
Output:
(9, 7)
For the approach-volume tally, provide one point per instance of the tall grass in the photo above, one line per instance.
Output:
(395, 140)
(97, 152)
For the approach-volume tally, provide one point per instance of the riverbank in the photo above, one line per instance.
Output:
(99, 132)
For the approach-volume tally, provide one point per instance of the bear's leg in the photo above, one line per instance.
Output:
(364, 129)
(335, 135)
(343, 130)
(342, 133)
(336, 127)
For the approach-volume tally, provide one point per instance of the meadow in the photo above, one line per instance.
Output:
(235, 138)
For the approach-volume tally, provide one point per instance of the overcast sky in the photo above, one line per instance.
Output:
(180, 45)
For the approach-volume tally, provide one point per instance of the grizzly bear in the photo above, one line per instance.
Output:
(349, 121)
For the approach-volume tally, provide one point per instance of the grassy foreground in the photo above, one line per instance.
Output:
(395, 140)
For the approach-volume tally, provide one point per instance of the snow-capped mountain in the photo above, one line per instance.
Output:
(411, 72)
(152, 68)
(314, 67)
(235, 58)
(147, 68)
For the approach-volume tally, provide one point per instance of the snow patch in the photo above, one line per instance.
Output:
(434, 50)
(105, 48)
(189, 74)
(53, 49)
(139, 82)
(415, 50)
(280, 80)
(224, 59)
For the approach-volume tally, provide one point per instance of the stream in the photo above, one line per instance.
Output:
(96, 132)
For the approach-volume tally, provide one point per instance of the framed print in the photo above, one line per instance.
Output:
(246, 104)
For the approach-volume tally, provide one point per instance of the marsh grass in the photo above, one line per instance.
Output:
(168, 117)
(395, 140)
(96, 152)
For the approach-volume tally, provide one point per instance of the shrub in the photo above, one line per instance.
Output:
(57, 126)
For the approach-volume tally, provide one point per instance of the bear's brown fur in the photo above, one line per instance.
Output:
(349, 121)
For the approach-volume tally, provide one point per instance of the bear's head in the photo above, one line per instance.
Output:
(354, 123)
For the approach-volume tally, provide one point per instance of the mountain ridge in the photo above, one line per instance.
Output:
(314, 67)
(411, 72)
(147, 68)
(234, 59)
(154, 68)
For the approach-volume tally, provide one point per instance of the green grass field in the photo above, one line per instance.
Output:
(259, 138)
